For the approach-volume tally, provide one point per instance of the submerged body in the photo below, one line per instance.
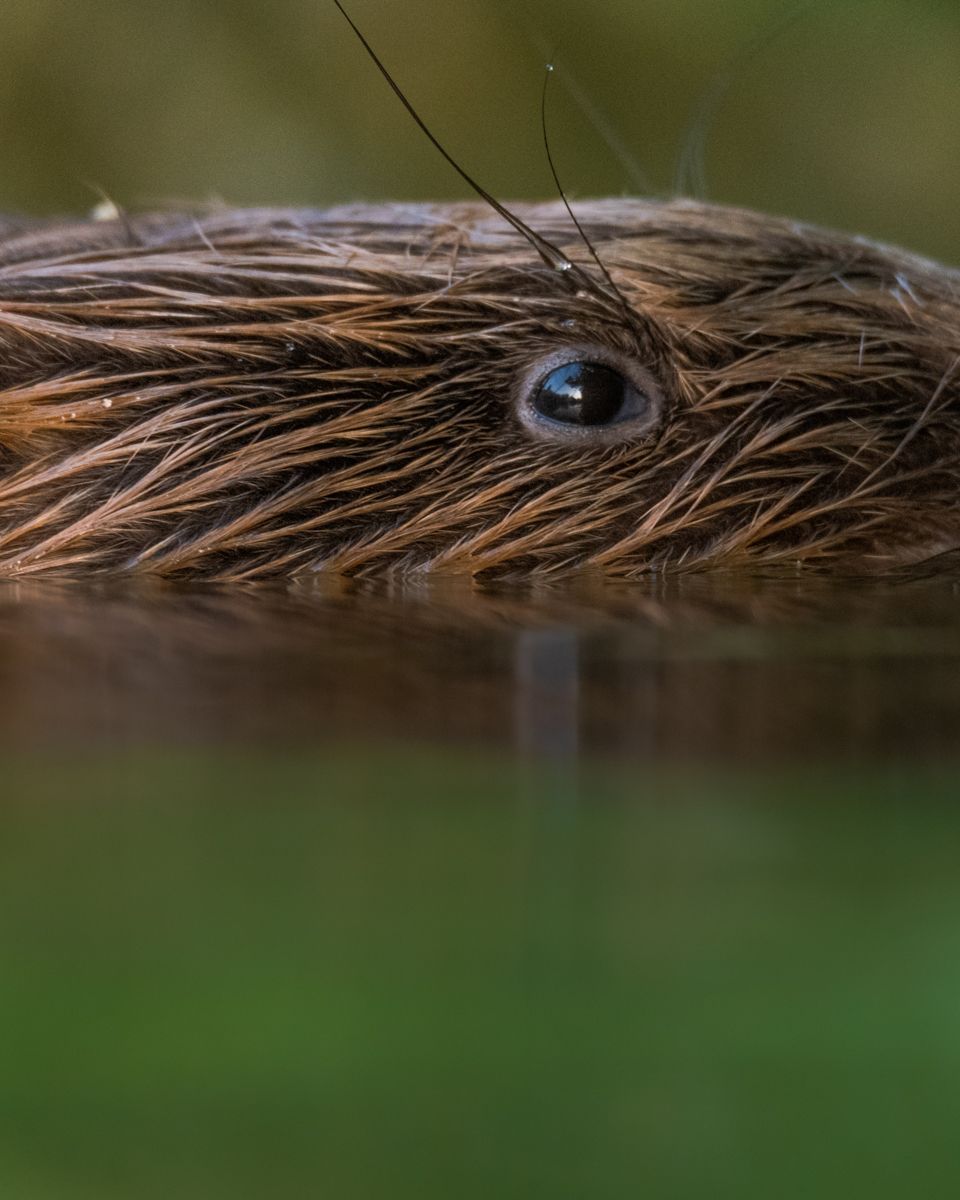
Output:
(248, 394)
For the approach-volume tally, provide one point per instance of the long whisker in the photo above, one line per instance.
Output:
(566, 203)
(552, 255)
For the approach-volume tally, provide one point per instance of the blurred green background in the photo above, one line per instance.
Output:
(847, 115)
(374, 976)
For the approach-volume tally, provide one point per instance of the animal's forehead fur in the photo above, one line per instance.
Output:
(707, 270)
(401, 229)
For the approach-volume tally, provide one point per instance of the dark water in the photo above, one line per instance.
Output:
(592, 891)
(722, 670)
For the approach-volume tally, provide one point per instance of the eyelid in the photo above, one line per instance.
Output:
(626, 430)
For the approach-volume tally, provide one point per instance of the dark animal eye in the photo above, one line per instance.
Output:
(589, 393)
(586, 393)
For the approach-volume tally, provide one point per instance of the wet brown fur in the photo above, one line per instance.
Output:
(246, 394)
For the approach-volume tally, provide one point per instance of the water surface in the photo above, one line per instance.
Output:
(370, 892)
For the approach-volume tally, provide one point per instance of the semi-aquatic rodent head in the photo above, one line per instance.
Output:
(253, 393)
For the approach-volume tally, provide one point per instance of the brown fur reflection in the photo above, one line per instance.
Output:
(691, 669)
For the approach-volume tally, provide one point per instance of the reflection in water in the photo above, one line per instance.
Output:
(698, 667)
(546, 692)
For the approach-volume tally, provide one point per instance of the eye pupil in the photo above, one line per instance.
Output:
(581, 393)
